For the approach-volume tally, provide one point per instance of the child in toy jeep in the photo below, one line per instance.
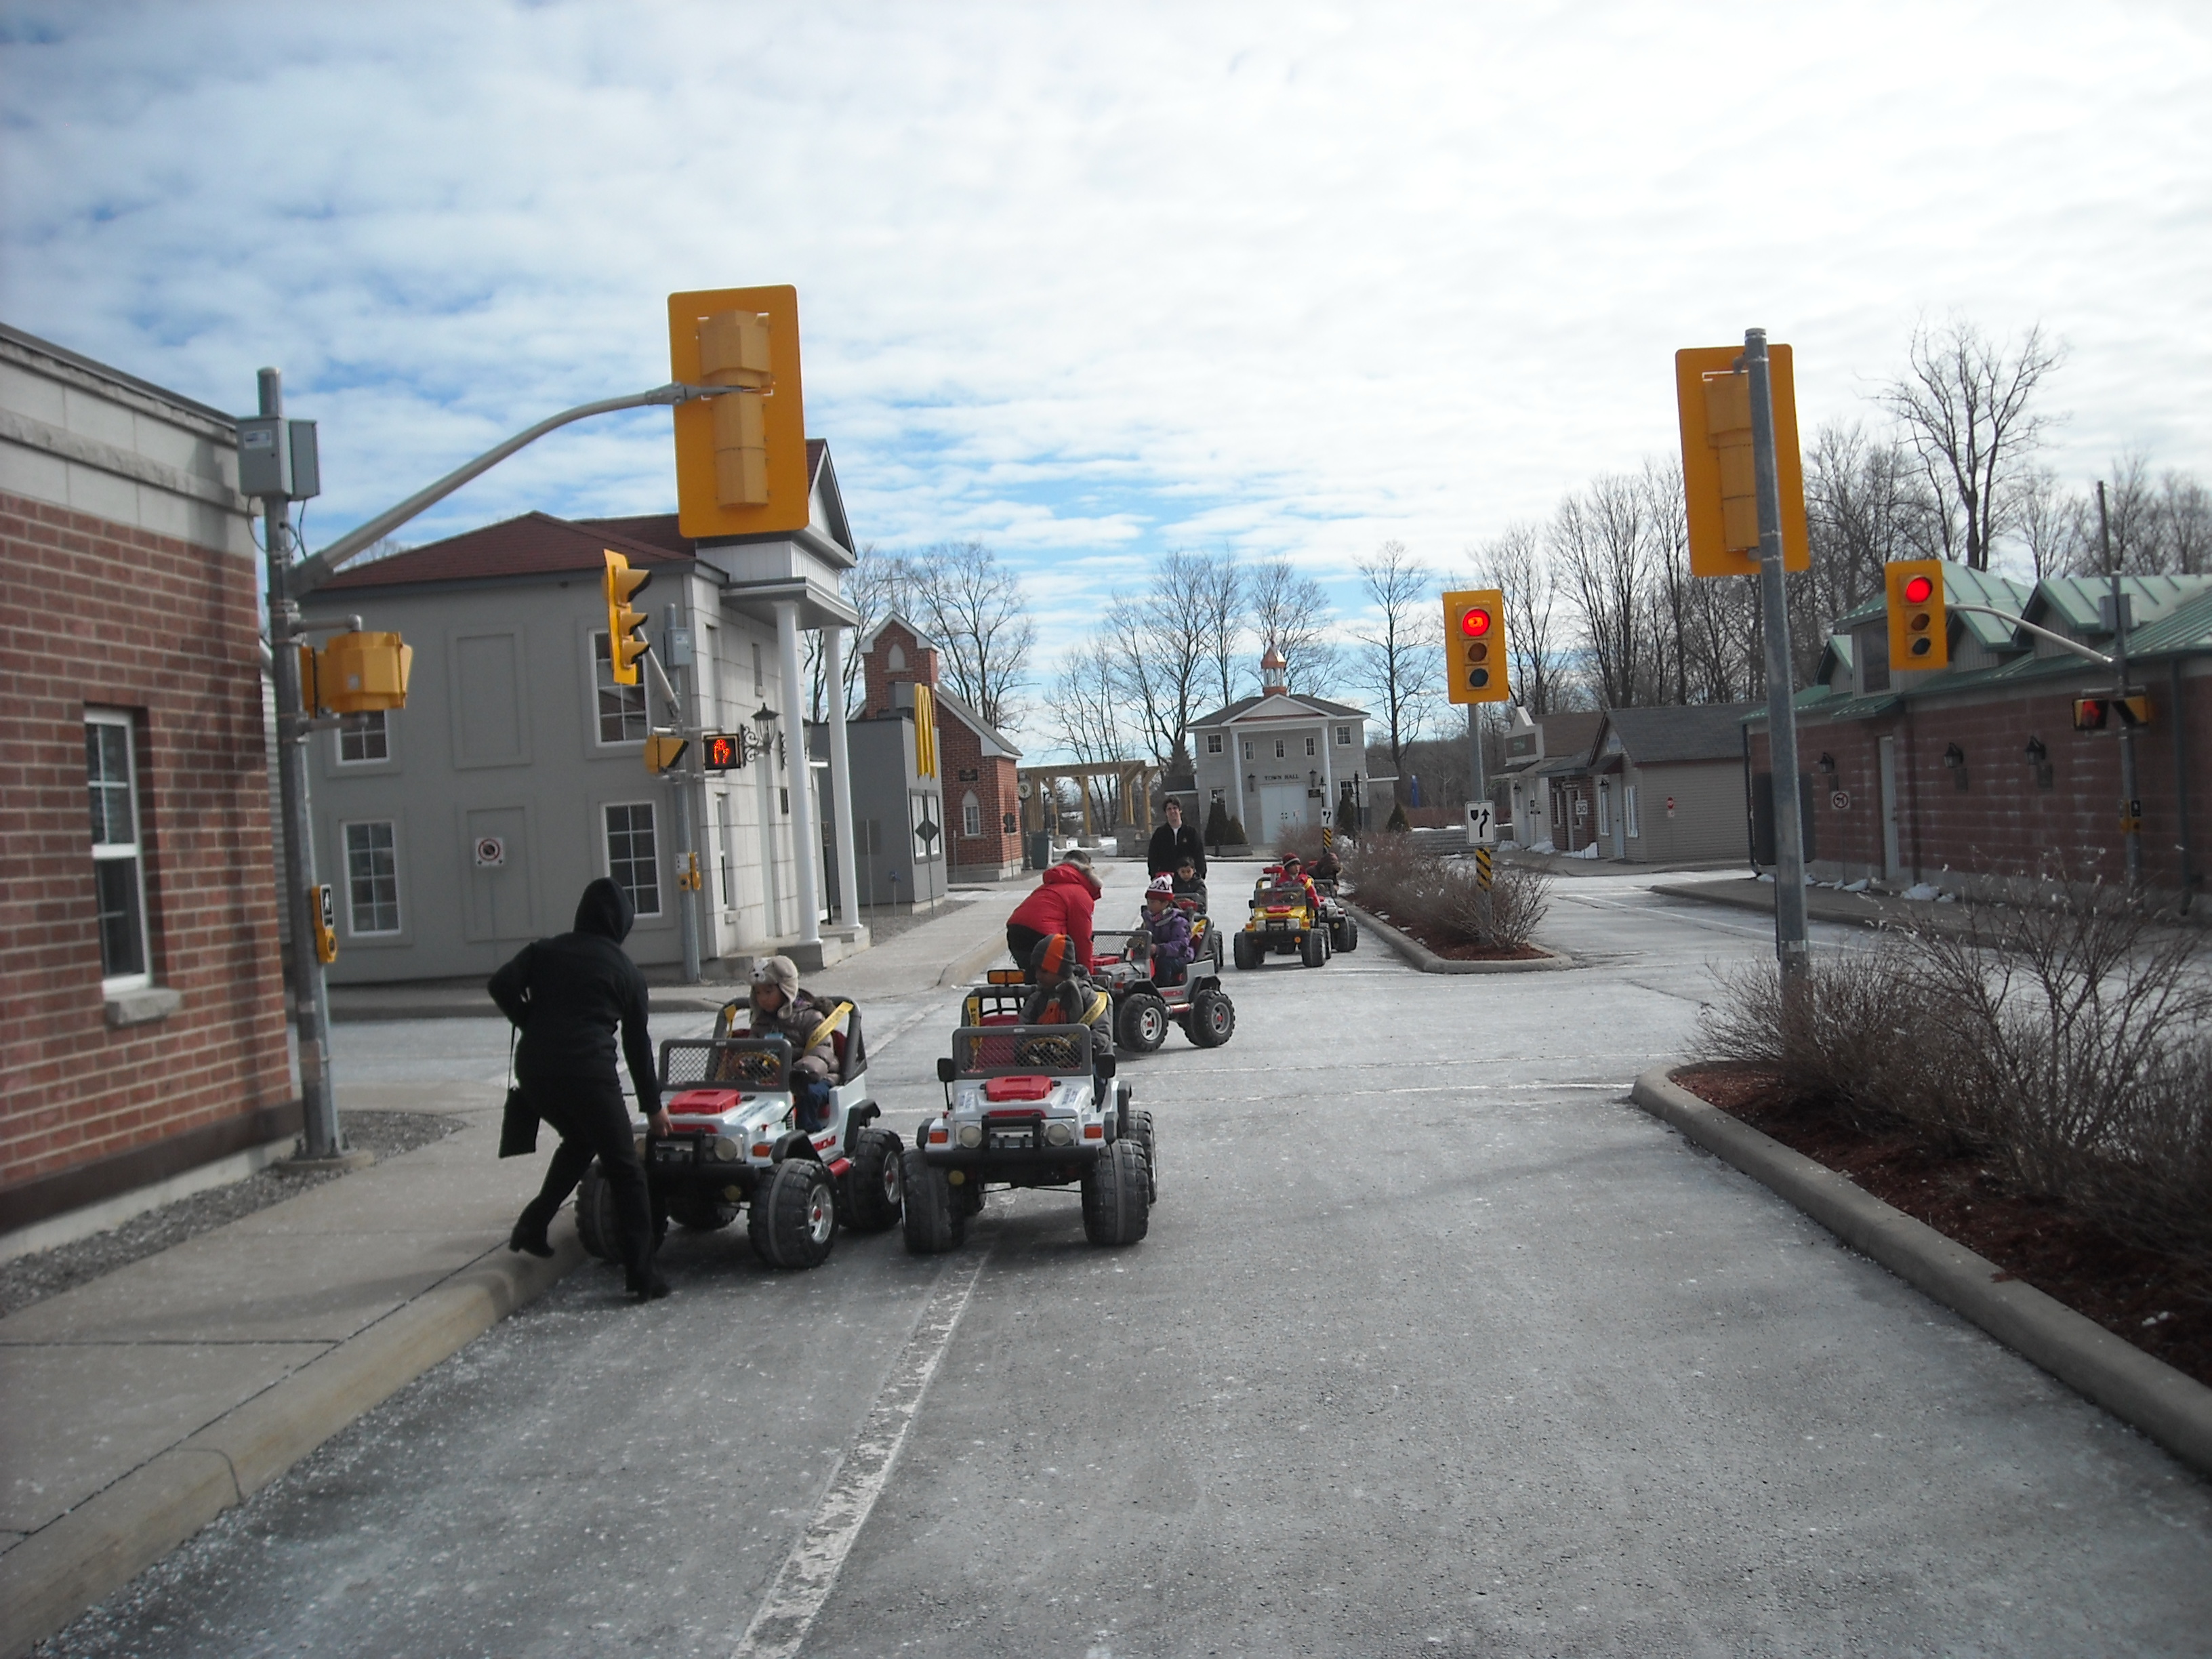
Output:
(1155, 983)
(1286, 920)
(754, 1125)
(1030, 1101)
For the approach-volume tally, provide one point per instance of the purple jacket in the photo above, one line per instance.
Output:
(1170, 931)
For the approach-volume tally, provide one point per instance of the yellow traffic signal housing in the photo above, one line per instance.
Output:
(356, 674)
(1712, 399)
(1919, 630)
(624, 644)
(2090, 714)
(1474, 645)
(663, 750)
(741, 456)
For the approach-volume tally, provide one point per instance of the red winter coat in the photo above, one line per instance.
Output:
(1062, 904)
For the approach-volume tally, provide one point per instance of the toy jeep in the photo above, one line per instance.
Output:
(736, 1140)
(1144, 1006)
(1026, 1106)
(1343, 931)
(1284, 922)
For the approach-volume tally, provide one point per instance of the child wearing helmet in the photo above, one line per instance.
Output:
(780, 1008)
(1165, 943)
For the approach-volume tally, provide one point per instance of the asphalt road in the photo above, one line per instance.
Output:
(1436, 1346)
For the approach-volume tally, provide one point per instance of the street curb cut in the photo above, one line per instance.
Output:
(1701, 893)
(2146, 1393)
(101, 1544)
(1418, 956)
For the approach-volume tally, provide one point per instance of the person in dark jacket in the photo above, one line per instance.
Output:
(1062, 903)
(1174, 841)
(567, 996)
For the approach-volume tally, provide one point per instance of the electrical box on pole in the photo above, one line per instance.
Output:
(277, 457)
(740, 456)
(1474, 645)
(1712, 399)
(1919, 626)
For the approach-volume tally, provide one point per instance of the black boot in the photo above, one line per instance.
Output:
(530, 1237)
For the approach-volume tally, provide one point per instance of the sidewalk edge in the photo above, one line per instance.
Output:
(100, 1545)
(969, 964)
(1419, 956)
(2142, 1391)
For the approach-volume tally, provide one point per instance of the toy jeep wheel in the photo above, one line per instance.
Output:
(1348, 934)
(933, 1224)
(1247, 955)
(1212, 1019)
(877, 1183)
(1313, 949)
(596, 1224)
(1142, 1024)
(1139, 1130)
(795, 1215)
(1115, 1212)
(701, 1211)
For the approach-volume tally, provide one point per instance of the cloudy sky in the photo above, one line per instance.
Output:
(1090, 282)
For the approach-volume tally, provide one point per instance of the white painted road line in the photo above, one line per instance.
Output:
(810, 1571)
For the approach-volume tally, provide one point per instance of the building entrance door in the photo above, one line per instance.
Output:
(1893, 861)
(1282, 806)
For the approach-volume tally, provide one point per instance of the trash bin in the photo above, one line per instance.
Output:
(1036, 850)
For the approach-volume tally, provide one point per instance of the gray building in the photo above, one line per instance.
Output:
(1278, 760)
(456, 828)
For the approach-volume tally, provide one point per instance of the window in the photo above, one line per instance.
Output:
(1604, 807)
(1218, 794)
(971, 815)
(632, 861)
(1279, 749)
(1628, 812)
(621, 707)
(928, 833)
(1310, 748)
(1214, 742)
(1344, 737)
(118, 873)
(1248, 749)
(895, 658)
(372, 877)
(363, 737)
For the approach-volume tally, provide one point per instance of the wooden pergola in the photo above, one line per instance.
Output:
(1139, 780)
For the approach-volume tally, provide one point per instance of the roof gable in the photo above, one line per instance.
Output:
(1660, 736)
(534, 544)
(1278, 705)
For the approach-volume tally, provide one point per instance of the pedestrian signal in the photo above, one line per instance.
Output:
(2092, 714)
(1919, 633)
(722, 751)
(625, 645)
(1474, 645)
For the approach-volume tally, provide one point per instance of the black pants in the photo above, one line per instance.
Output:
(593, 1121)
(1021, 941)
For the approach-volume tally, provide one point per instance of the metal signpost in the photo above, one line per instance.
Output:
(1790, 943)
(2131, 804)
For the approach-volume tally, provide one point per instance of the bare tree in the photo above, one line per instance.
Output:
(1965, 403)
(1161, 662)
(2047, 521)
(1598, 539)
(1087, 713)
(1219, 587)
(1400, 641)
(1513, 560)
(975, 609)
(2185, 509)
(868, 587)
(1290, 613)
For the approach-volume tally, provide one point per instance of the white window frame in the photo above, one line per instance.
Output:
(111, 852)
(607, 850)
(603, 681)
(923, 807)
(1344, 737)
(971, 816)
(1605, 807)
(1281, 749)
(353, 929)
(374, 722)
(1214, 742)
(1313, 747)
(1629, 818)
(1248, 749)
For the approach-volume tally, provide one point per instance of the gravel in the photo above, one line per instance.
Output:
(32, 1278)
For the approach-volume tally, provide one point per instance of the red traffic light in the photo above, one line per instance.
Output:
(1474, 622)
(1918, 590)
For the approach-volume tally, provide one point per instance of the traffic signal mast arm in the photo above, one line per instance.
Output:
(308, 574)
(2059, 640)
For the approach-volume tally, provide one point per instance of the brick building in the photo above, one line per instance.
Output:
(143, 1021)
(1977, 770)
(977, 761)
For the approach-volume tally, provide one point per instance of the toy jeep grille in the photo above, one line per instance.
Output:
(1054, 1050)
(749, 1062)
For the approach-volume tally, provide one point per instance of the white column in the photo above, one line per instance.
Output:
(805, 843)
(841, 778)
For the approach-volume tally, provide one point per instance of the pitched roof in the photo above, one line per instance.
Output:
(1244, 705)
(535, 544)
(965, 713)
(1700, 731)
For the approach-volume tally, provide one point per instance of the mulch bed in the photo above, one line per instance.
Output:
(1458, 950)
(2162, 1305)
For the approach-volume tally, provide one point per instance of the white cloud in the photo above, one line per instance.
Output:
(1094, 280)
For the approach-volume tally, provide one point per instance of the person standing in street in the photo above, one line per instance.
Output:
(1172, 842)
(567, 996)
(1062, 903)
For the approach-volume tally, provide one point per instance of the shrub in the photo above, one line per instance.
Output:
(1217, 824)
(1304, 841)
(1397, 825)
(1396, 875)
(1236, 836)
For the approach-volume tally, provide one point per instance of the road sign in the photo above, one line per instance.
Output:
(1712, 399)
(1841, 800)
(1481, 824)
(1482, 868)
(491, 853)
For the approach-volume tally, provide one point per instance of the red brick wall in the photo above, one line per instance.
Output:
(921, 666)
(94, 613)
(2002, 823)
(960, 751)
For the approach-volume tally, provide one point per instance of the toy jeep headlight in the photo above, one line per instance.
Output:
(725, 1150)
(1060, 1133)
(971, 1135)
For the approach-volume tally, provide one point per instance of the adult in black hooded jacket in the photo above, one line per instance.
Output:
(567, 996)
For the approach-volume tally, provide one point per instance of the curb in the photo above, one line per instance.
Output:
(76, 1562)
(969, 963)
(1418, 956)
(2144, 1392)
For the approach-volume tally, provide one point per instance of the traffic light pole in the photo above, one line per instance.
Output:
(1790, 946)
(2130, 815)
(311, 1007)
